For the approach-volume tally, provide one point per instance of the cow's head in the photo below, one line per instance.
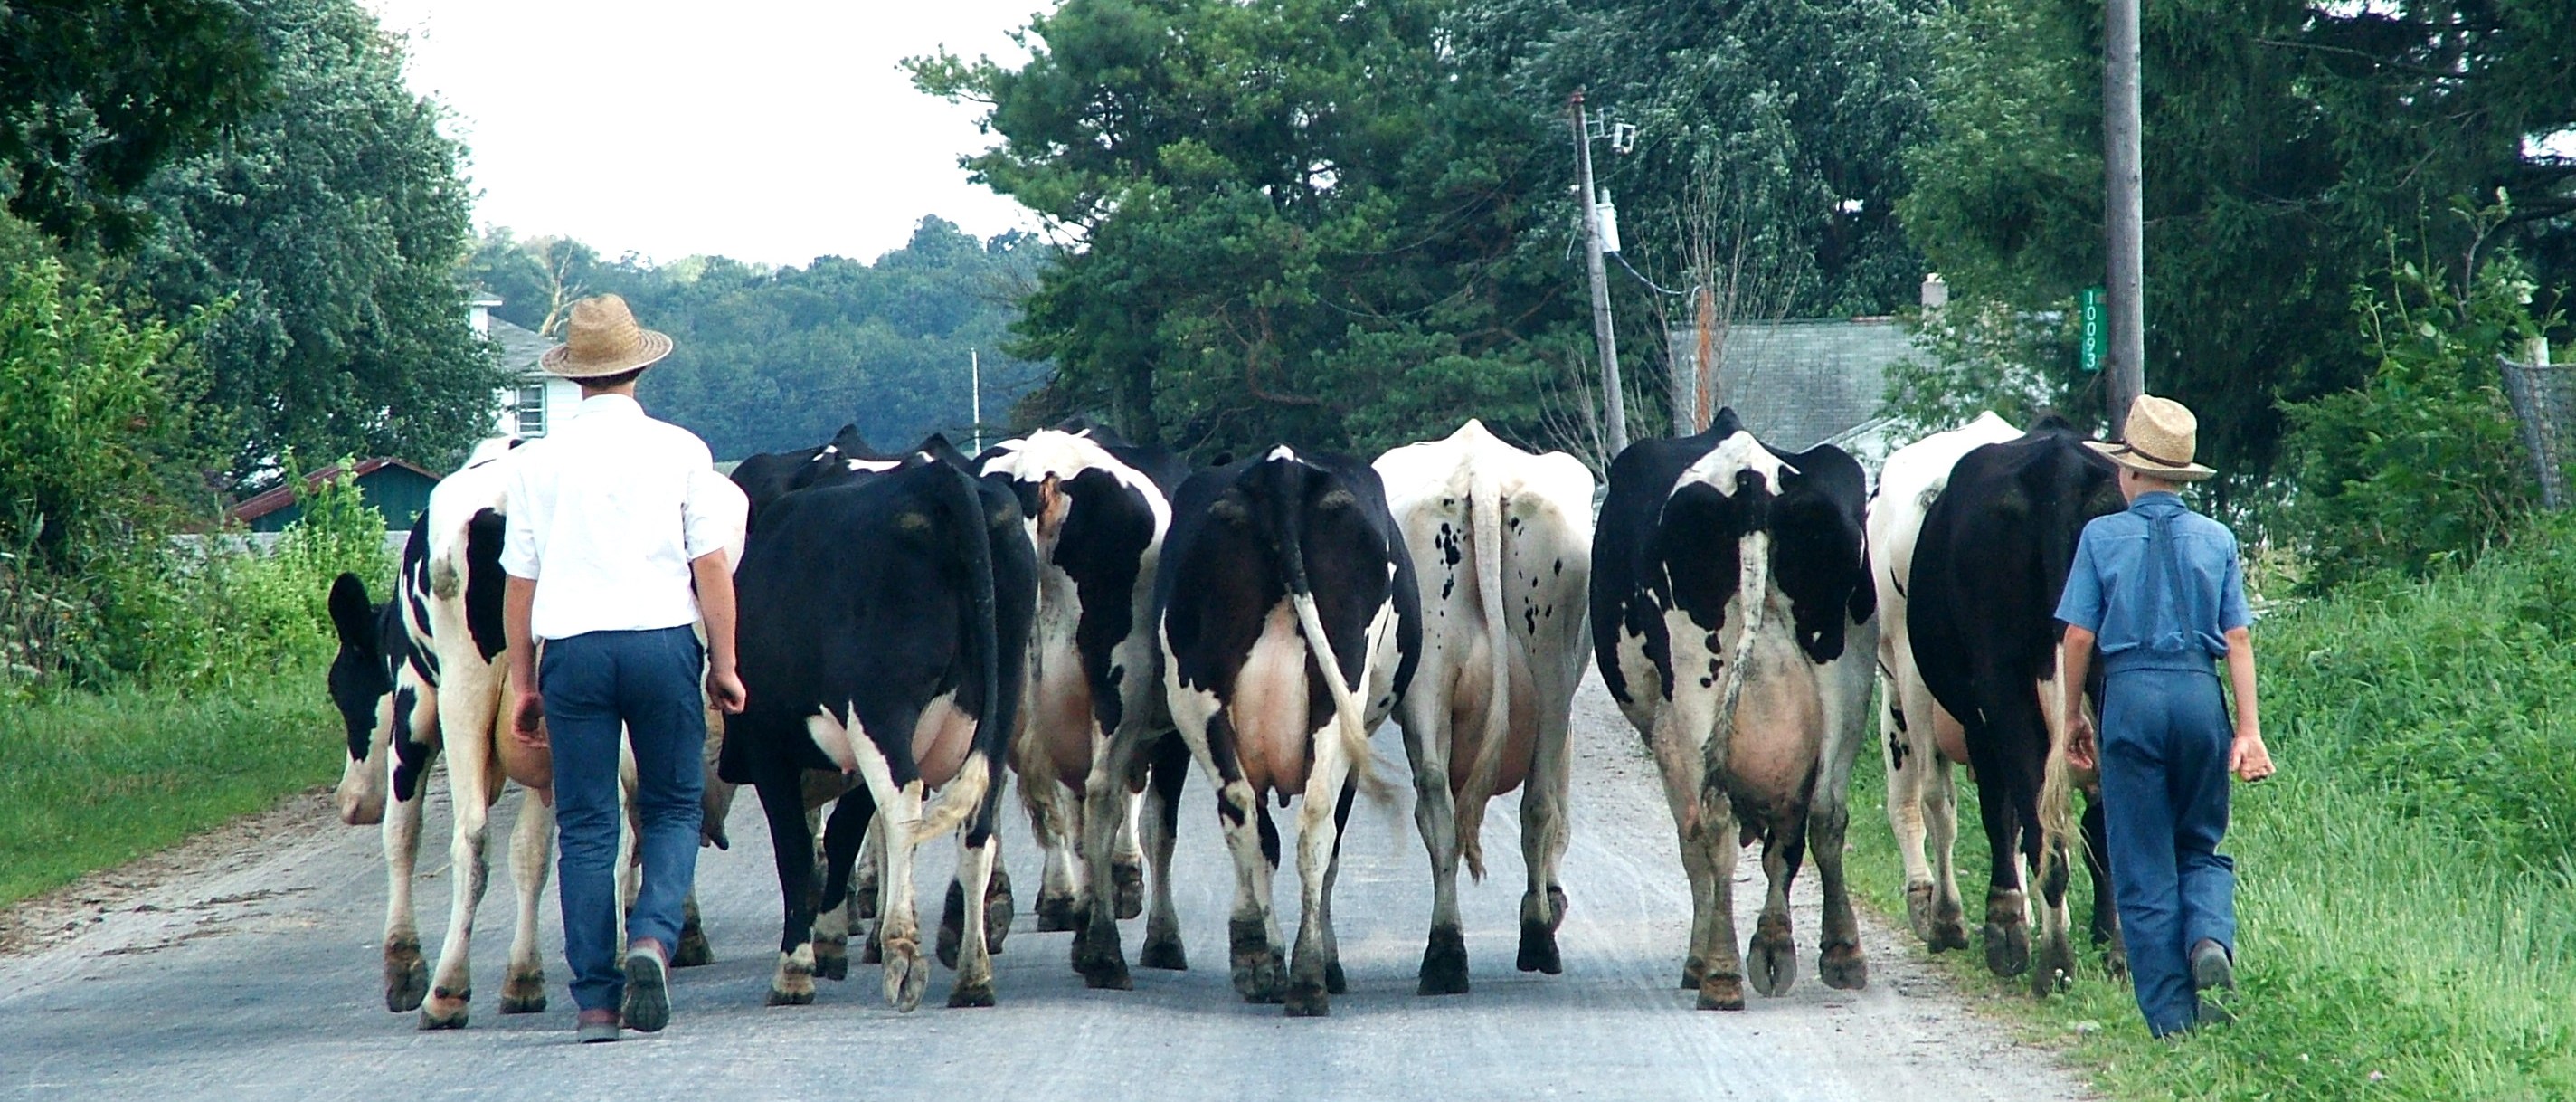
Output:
(361, 681)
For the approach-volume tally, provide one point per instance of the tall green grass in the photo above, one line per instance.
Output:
(2406, 906)
(92, 780)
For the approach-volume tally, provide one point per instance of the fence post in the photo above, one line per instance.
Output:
(2542, 401)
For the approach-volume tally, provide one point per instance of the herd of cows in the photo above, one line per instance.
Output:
(1095, 616)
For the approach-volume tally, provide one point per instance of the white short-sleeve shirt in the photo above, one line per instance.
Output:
(607, 512)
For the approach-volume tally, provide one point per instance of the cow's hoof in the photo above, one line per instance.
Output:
(1335, 980)
(693, 950)
(406, 975)
(1164, 952)
(2056, 971)
(792, 996)
(1101, 961)
(1949, 932)
(2007, 948)
(907, 977)
(793, 983)
(1128, 879)
(2115, 957)
(999, 908)
(1843, 968)
(863, 901)
(870, 950)
(1258, 976)
(1057, 913)
(1919, 906)
(1444, 962)
(832, 958)
(1694, 972)
(445, 1009)
(1538, 950)
(1721, 993)
(970, 994)
(524, 993)
(1308, 999)
(1772, 960)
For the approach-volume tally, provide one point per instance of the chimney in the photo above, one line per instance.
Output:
(478, 313)
(1936, 294)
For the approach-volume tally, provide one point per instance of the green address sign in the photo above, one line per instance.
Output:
(2097, 337)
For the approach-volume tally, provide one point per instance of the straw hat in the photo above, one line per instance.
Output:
(2159, 440)
(602, 339)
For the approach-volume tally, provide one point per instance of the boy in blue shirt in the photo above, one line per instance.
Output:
(2158, 591)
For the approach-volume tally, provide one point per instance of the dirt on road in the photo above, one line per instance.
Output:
(244, 965)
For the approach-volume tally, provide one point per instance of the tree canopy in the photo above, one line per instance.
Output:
(2286, 145)
(772, 359)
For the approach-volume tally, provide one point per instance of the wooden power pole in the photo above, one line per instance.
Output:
(1615, 406)
(2125, 376)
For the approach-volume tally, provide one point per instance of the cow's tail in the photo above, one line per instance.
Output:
(1485, 520)
(1350, 720)
(1753, 586)
(2057, 780)
(964, 794)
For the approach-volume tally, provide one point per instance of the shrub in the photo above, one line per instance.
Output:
(2420, 468)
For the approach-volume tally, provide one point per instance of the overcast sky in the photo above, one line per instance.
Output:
(765, 130)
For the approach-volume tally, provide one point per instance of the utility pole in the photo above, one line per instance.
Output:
(1615, 412)
(2123, 215)
(975, 377)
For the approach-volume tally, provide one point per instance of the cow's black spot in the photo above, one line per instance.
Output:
(411, 759)
(484, 582)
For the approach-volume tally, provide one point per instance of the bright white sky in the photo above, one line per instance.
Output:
(771, 131)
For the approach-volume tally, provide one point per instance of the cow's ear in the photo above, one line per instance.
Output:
(351, 613)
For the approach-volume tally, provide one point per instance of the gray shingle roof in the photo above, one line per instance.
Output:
(1799, 383)
(519, 347)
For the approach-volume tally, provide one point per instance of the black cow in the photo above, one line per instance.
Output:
(1270, 563)
(884, 631)
(1989, 566)
(766, 477)
(1760, 729)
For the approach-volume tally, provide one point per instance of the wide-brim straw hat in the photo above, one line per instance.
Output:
(602, 339)
(2159, 439)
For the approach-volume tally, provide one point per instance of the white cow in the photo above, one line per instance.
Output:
(1919, 739)
(1502, 543)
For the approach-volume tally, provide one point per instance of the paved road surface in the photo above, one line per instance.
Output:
(256, 977)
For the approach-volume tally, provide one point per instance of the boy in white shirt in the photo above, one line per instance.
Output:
(615, 547)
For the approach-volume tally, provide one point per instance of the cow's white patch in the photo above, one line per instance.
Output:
(877, 465)
(1050, 452)
(1735, 453)
(1285, 452)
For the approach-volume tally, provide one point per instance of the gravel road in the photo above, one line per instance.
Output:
(245, 967)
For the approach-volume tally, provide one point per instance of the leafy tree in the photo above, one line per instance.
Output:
(1310, 220)
(2285, 142)
(333, 222)
(1793, 112)
(97, 94)
(766, 360)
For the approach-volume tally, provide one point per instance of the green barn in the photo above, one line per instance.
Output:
(397, 488)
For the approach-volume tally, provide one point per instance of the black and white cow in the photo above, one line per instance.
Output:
(884, 632)
(428, 684)
(1502, 542)
(1273, 563)
(766, 477)
(1091, 717)
(1920, 739)
(1981, 614)
(1733, 620)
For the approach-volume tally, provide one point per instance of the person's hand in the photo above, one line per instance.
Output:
(2080, 751)
(2247, 757)
(724, 686)
(528, 717)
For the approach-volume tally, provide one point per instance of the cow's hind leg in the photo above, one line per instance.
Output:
(693, 950)
(1426, 744)
(531, 850)
(473, 780)
(1310, 979)
(1097, 952)
(975, 853)
(1773, 963)
(1721, 985)
(1949, 918)
(2007, 929)
(1909, 772)
(1543, 838)
(1161, 827)
(1838, 958)
(791, 843)
(2097, 866)
(907, 973)
(996, 908)
(1056, 815)
(1127, 861)
(843, 837)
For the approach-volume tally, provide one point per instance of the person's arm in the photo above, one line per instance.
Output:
(714, 574)
(2247, 756)
(2075, 658)
(527, 704)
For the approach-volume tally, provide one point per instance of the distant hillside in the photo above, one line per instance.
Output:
(766, 360)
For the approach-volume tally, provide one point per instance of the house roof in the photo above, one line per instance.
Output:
(1799, 383)
(519, 347)
(263, 504)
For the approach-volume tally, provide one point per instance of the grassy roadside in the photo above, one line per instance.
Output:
(2407, 897)
(90, 781)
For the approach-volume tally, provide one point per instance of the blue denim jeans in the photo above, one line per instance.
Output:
(645, 683)
(2164, 742)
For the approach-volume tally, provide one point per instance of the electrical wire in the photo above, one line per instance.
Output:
(1641, 277)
